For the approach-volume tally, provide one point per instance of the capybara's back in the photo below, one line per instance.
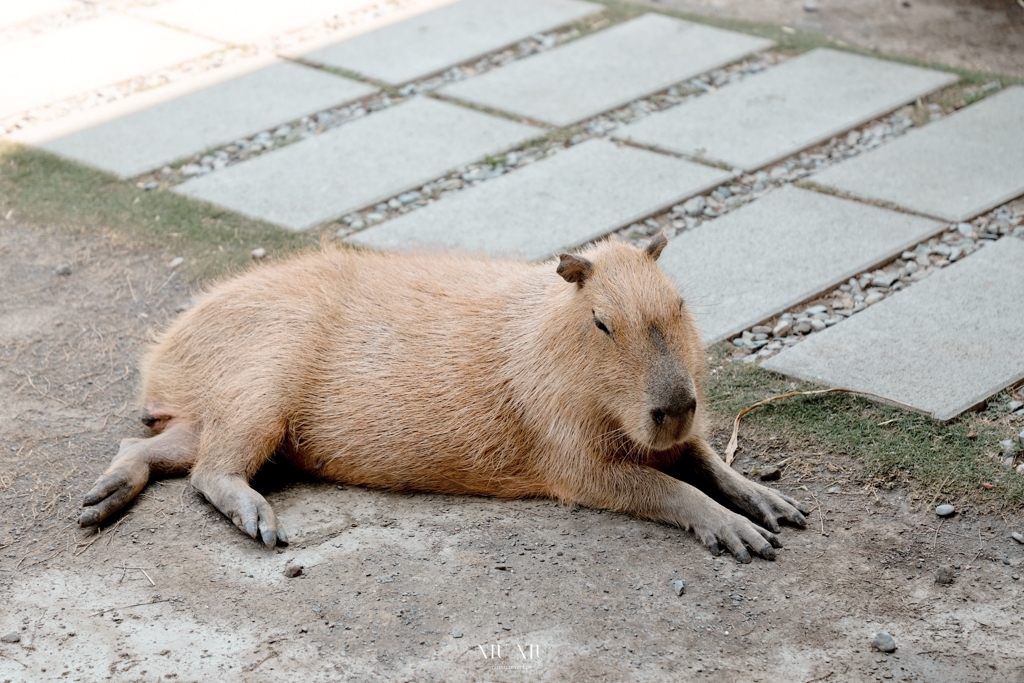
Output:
(444, 373)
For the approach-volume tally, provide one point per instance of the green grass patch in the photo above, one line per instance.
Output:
(38, 187)
(892, 444)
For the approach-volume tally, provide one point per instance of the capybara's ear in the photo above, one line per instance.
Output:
(657, 244)
(574, 268)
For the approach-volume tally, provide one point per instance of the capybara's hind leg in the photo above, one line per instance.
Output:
(173, 451)
(229, 457)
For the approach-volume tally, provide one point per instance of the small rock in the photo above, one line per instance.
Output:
(783, 328)
(818, 325)
(13, 637)
(175, 262)
(882, 279)
(944, 575)
(293, 570)
(1015, 405)
(1020, 469)
(802, 327)
(810, 6)
(764, 329)
(678, 586)
(771, 473)
(1009, 446)
(457, 634)
(873, 298)
(258, 253)
(945, 510)
(695, 206)
(816, 310)
(151, 185)
(1017, 536)
(834, 489)
(883, 642)
(63, 269)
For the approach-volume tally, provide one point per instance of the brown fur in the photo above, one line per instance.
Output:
(451, 374)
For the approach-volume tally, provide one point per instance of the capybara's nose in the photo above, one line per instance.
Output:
(680, 406)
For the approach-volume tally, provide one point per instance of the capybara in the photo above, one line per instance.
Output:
(579, 381)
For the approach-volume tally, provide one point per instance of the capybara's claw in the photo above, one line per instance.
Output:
(739, 536)
(249, 511)
(112, 491)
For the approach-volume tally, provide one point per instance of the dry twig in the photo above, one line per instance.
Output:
(730, 450)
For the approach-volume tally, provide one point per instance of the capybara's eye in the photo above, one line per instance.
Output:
(601, 326)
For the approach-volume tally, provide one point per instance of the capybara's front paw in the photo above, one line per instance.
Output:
(122, 481)
(250, 511)
(722, 530)
(769, 506)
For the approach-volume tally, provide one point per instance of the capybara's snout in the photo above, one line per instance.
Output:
(672, 396)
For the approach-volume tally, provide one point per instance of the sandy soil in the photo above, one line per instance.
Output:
(420, 587)
(981, 35)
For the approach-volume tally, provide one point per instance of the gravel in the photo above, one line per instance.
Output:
(872, 287)
(883, 642)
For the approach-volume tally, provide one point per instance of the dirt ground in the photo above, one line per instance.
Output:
(421, 587)
(980, 35)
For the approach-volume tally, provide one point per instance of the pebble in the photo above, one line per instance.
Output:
(63, 269)
(457, 634)
(678, 586)
(770, 473)
(695, 206)
(175, 262)
(873, 298)
(818, 325)
(1020, 469)
(883, 642)
(293, 570)
(1017, 536)
(944, 575)
(802, 326)
(1015, 405)
(945, 510)
(259, 253)
(783, 328)
(14, 637)
(812, 6)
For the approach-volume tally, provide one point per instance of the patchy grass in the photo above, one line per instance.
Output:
(37, 187)
(893, 445)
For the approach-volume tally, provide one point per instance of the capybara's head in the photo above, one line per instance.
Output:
(642, 355)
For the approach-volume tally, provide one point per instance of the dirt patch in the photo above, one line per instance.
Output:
(422, 587)
(979, 35)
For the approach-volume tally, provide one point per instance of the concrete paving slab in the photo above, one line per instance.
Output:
(954, 169)
(246, 21)
(557, 203)
(88, 55)
(943, 345)
(14, 12)
(785, 109)
(447, 36)
(214, 116)
(607, 69)
(359, 163)
(784, 248)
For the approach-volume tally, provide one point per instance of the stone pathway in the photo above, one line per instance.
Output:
(237, 108)
(558, 203)
(349, 167)
(400, 152)
(445, 37)
(954, 169)
(606, 69)
(943, 346)
(798, 104)
(781, 250)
